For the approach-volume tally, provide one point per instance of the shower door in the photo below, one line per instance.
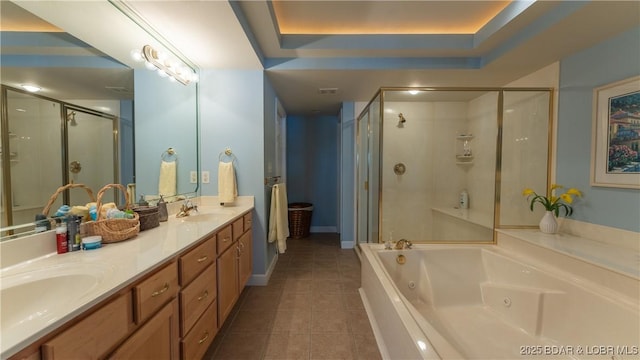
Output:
(92, 152)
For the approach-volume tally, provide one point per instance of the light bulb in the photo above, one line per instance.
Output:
(136, 55)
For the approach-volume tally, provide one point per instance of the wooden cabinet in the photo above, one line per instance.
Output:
(245, 261)
(94, 335)
(196, 342)
(156, 339)
(234, 267)
(141, 322)
(173, 312)
(155, 291)
(228, 292)
(198, 309)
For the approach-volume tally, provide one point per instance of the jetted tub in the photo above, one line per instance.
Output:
(484, 302)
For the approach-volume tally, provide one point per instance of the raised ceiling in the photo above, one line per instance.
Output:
(384, 17)
(504, 41)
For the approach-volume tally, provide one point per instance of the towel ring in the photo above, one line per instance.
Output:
(169, 155)
(227, 153)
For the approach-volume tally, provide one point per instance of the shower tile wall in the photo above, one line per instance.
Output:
(427, 145)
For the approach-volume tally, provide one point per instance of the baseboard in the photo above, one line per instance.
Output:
(323, 229)
(263, 279)
(347, 244)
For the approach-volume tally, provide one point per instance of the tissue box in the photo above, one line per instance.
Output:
(149, 217)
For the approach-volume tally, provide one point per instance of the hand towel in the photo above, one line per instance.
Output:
(167, 180)
(279, 217)
(227, 189)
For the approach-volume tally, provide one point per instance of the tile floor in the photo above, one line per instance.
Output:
(311, 309)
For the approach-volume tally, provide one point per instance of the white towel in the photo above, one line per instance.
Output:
(167, 180)
(279, 217)
(227, 189)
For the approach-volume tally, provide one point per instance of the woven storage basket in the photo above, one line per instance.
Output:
(149, 217)
(299, 219)
(53, 197)
(113, 230)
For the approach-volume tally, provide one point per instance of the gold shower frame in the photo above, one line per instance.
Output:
(498, 170)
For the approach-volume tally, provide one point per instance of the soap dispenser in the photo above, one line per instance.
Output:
(163, 215)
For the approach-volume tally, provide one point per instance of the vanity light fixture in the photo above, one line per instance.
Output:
(31, 88)
(166, 67)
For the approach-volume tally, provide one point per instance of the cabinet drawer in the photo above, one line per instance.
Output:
(156, 339)
(224, 239)
(94, 335)
(156, 291)
(238, 228)
(197, 341)
(196, 260)
(196, 297)
(247, 221)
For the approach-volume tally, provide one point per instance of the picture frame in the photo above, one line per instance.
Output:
(615, 145)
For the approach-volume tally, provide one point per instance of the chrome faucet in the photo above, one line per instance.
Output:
(403, 244)
(186, 208)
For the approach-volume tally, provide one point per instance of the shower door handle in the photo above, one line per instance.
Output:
(75, 167)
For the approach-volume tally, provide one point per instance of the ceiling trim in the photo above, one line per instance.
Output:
(368, 63)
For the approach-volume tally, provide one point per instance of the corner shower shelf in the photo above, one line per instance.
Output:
(462, 159)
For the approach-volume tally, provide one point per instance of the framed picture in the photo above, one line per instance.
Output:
(615, 152)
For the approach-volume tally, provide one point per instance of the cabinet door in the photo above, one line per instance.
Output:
(245, 261)
(227, 282)
(156, 339)
(94, 335)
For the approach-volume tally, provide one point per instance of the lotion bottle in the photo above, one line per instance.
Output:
(61, 237)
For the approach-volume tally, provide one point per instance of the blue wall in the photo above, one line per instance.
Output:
(165, 116)
(232, 115)
(615, 59)
(347, 174)
(312, 166)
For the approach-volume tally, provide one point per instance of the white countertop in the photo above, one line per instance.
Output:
(119, 264)
(623, 260)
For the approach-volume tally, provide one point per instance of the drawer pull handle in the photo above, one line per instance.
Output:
(204, 295)
(204, 258)
(161, 291)
(206, 335)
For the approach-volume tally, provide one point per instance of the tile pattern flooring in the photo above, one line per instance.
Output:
(311, 309)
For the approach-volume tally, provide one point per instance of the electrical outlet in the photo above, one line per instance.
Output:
(205, 177)
(193, 177)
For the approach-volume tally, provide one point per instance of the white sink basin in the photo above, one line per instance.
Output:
(205, 217)
(37, 296)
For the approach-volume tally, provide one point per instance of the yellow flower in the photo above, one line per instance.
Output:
(575, 192)
(566, 198)
(556, 186)
(553, 198)
(527, 192)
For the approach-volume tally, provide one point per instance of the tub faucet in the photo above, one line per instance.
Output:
(403, 244)
(186, 208)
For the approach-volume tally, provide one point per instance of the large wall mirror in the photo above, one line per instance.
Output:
(100, 117)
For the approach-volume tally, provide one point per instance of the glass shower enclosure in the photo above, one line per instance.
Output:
(448, 165)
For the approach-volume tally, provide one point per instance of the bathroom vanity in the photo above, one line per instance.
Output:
(162, 294)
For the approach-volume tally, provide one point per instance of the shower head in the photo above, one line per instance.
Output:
(71, 118)
(401, 120)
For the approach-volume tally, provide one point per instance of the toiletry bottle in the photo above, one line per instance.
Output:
(163, 215)
(464, 199)
(61, 237)
(77, 241)
(42, 224)
(71, 231)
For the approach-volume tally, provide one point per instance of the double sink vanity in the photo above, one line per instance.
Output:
(163, 294)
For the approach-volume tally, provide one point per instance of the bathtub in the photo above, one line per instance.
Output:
(484, 302)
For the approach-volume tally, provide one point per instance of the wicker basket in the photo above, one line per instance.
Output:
(113, 230)
(299, 219)
(53, 197)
